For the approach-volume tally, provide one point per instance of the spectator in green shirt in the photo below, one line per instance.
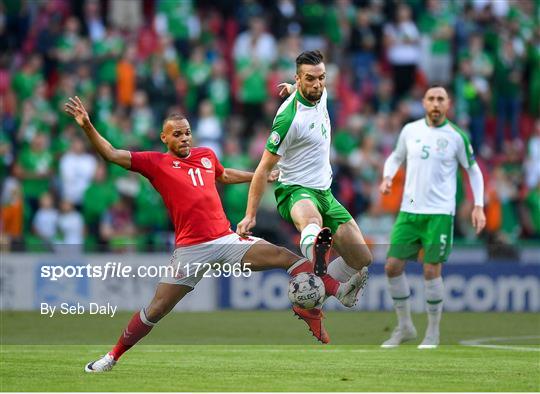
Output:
(28, 78)
(235, 196)
(531, 218)
(533, 59)
(177, 19)
(436, 26)
(68, 41)
(197, 73)
(508, 76)
(97, 199)
(107, 53)
(471, 98)
(252, 74)
(34, 168)
(219, 90)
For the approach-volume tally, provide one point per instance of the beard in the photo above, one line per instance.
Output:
(314, 96)
(435, 116)
(183, 152)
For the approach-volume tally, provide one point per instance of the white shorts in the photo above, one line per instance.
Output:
(190, 263)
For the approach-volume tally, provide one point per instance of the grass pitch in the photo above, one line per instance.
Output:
(270, 351)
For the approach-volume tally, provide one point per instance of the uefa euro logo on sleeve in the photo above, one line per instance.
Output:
(275, 138)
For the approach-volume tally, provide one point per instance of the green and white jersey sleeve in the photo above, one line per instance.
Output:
(432, 157)
(301, 136)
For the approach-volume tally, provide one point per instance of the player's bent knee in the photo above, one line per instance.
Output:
(393, 268)
(302, 223)
(432, 271)
(360, 258)
(315, 220)
(367, 257)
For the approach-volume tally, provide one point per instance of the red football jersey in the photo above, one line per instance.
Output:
(188, 189)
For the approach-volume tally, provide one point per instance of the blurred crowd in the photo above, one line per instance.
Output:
(132, 62)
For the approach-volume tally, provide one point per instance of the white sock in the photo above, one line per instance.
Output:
(434, 291)
(340, 270)
(307, 239)
(400, 293)
(144, 319)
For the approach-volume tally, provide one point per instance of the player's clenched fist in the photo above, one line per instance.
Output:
(244, 227)
(386, 185)
(75, 108)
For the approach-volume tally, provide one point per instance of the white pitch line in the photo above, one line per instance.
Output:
(481, 342)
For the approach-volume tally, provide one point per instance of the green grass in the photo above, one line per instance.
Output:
(268, 351)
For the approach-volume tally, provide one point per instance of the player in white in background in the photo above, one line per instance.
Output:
(299, 144)
(433, 147)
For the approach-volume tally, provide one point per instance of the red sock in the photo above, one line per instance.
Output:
(306, 266)
(135, 331)
(331, 285)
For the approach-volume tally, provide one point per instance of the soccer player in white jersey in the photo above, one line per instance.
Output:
(432, 147)
(299, 143)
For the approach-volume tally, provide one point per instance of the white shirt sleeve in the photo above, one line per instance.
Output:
(398, 156)
(465, 154)
(476, 180)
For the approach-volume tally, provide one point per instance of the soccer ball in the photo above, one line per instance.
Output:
(306, 290)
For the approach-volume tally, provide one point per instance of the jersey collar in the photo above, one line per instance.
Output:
(302, 100)
(441, 125)
(181, 158)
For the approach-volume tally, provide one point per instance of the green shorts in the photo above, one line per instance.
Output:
(431, 232)
(332, 212)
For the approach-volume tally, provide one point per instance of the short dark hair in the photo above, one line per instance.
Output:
(309, 57)
(172, 117)
(439, 85)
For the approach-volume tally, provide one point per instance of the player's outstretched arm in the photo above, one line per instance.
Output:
(231, 176)
(75, 108)
(256, 190)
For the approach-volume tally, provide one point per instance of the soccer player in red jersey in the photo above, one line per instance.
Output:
(185, 177)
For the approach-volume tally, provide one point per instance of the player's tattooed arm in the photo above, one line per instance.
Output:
(75, 108)
(230, 176)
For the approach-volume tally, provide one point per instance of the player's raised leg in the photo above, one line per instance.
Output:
(399, 290)
(315, 241)
(166, 297)
(434, 293)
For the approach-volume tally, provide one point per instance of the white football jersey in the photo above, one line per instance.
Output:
(432, 155)
(301, 136)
